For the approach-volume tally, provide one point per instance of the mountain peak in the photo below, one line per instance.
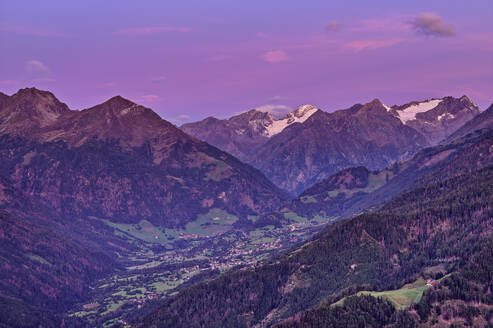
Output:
(117, 103)
(28, 110)
(303, 110)
(374, 106)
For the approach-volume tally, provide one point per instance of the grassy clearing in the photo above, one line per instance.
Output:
(401, 298)
(375, 181)
(144, 230)
(294, 217)
(216, 221)
(38, 258)
(308, 199)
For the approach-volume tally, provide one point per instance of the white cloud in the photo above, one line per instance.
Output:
(432, 24)
(276, 56)
(150, 97)
(35, 66)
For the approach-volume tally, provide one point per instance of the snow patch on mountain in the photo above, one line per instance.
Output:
(300, 115)
(387, 107)
(409, 113)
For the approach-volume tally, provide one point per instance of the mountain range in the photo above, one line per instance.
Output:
(296, 153)
(120, 160)
(112, 214)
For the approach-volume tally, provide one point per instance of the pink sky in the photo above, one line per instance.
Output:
(189, 61)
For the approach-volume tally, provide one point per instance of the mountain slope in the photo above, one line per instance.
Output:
(329, 142)
(47, 262)
(371, 135)
(481, 121)
(438, 224)
(122, 161)
(29, 110)
(243, 134)
(354, 190)
(437, 119)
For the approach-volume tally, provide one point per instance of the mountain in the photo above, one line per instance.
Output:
(353, 190)
(364, 135)
(120, 160)
(29, 110)
(436, 119)
(373, 135)
(481, 121)
(243, 134)
(435, 228)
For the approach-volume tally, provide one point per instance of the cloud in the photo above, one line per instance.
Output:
(180, 119)
(158, 79)
(183, 117)
(397, 23)
(35, 66)
(29, 30)
(149, 97)
(334, 26)
(360, 45)
(136, 31)
(43, 80)
(275, 99)
(9, 82)
(275, 110)
(432, 24)
(107, 85)
(275, 56)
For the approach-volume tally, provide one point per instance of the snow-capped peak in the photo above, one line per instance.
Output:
(299, 115)
(409, 113)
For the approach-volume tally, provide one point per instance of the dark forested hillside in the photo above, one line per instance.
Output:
(356, 189)
(438, 224)
(463, 298)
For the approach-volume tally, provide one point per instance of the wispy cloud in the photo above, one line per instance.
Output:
(360, 45)
(334, 26)
(432, 24)
(180, 119)
(35, 66)
(9, 82)
(149, 30)
(150, 97)
(43, 80)
(275, 56)
(384, 24)
(106, 85)
(29, 30)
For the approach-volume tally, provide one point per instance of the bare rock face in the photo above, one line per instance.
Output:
(437, 119)
(481, 121)
(122, 161)
(244, 134)
(28, 111)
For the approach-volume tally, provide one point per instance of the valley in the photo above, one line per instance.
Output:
(165, 260)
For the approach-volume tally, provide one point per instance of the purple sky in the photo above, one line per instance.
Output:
(192, 59)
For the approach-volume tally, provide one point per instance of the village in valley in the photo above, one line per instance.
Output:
(169, 259)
